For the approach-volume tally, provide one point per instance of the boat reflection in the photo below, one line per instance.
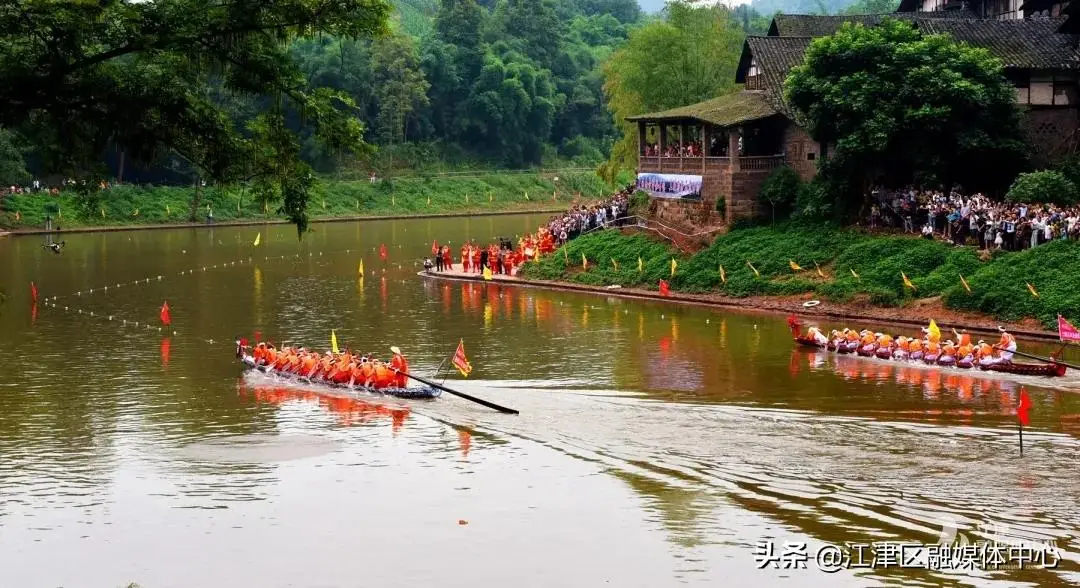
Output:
(349, 409)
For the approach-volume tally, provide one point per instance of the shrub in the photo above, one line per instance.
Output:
(721, 207)
(780, 190)
(1043, 186)
(639, 202)
(813, 202)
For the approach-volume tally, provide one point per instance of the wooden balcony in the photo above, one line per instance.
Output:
(766, 163)
(705, 165)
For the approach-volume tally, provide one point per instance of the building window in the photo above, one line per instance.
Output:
(1042, 90)
(1064, 93)
(810, 156)
(753, 68)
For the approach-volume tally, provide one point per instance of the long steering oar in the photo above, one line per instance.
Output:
(491, 405)
(1040, 358)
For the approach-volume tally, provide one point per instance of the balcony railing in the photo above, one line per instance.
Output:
(767, 163)
(701, 165)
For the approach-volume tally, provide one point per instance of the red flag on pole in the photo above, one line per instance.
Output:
(382, 251)
(1022, 408)
(165, 318)
(33, 292)
(1066, 331)
(258, 336)
(460, 362)
(664, 289)
(434, 247)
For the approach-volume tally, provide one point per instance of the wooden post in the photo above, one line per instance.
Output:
(704, 151)
(641, 138)
(733, 147)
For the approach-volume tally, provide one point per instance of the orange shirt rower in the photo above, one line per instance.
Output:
(398, 363)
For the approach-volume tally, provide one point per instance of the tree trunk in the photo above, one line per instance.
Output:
(196, 200)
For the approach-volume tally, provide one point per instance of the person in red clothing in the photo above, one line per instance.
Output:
(465, 255)
(448, 262)
(399, 363)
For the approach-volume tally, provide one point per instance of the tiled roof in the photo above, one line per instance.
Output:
(724, 111)
(814, 25)
(1018, 43)
(774, 57)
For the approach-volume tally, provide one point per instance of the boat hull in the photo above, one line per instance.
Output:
(418, 392)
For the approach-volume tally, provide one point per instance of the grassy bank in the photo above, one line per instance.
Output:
(139, 205)
(998, 285)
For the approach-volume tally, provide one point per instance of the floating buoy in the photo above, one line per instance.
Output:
(811, 303)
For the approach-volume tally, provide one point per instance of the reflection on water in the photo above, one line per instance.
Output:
(682, 435)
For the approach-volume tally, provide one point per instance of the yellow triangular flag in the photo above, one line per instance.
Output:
(526, 195)
(933, 330)
(584, 263)
(487, 273)
(466, 198)
(794, 266)
(615, 263)
(553, 195)
(723, 276)
(324, 203)
(640, 264)
(333, 342)
(853, 273)
(536, 255)
(818, 268)
(490, 196)
(133, 213)
(167, 211)
(673, 266)
(429, 200)
(964, 282)
(756, 273)
(907, 282)
(258, 239)
(102, 212)
(361, 267)
(1032, 290)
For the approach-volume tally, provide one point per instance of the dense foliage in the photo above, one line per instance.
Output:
(140, 205)
(642, 76)
(152, 78)
(942, 112)
(1043, 186)
(998, 286)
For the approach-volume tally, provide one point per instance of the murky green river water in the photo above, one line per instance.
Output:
(657, 444)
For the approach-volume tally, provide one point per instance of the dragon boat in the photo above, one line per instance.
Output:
(412, 392)
(1050, 369)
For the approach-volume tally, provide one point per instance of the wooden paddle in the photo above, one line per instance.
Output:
(491, 405)
(1040, 358)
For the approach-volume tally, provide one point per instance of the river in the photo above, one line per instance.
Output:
(657, 445)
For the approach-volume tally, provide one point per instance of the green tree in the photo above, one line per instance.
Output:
(512, 107)
(780, 190)
(1043, 186)
(12, 163)
(871, 7)
(400, 86)
(899, 107)
(689, 57)
(76, 75)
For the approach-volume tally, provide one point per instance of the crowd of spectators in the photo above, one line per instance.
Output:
(580, 219)
(974, 219)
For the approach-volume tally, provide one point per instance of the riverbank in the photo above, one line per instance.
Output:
(849, 271)
(245, 223)
(170, 207)
(918, 316)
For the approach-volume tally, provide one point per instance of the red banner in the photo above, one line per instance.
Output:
(1067, 332)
